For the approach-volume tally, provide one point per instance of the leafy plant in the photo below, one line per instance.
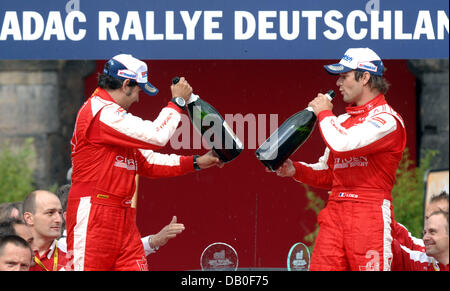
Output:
(408, 191)
(16, 172)
(316, 204)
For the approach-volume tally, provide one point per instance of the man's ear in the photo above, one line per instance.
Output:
(125, 83)
(366, 77)
(29, 218)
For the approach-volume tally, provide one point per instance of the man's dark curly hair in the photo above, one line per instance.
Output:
(109, 82)
(375, 82)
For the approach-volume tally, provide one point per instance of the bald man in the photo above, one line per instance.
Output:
(43, 214)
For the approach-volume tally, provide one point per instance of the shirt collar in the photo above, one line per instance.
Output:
(49, 253)
(357, 110)
(51, 249)
(103, 94)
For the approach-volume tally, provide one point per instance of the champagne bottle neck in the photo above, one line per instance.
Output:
(309, 108)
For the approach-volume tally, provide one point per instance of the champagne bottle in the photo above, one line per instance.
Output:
(213, 128)
(288, 137)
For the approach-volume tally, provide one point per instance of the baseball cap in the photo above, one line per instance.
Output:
(125, 66)
(362, 59)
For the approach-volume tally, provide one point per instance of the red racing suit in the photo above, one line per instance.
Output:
(406, 259)
(364, 148)
(404, 237)
(109, 147)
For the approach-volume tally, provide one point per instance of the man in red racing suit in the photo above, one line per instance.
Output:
(109, 147)
(434, 257)
(363, 149)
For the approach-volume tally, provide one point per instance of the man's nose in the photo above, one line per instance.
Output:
(58, 218)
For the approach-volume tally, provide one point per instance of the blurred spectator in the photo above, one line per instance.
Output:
(153, 242)
(69, 176)
(15, 254)
(436, 255)
(404, 237)
(63, 194)
(43, 213)
(10, 210)
(437, 202)
(14, 226)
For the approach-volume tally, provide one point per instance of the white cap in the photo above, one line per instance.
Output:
(125, 66)
(363, 59)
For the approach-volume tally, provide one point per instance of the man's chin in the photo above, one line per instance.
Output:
(429, 251)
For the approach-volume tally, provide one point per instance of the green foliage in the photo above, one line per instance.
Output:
(16, 173)
(408, 191)
(316, 204)
(407, 195)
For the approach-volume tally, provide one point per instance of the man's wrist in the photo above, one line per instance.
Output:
(151, 242)
(180, 102)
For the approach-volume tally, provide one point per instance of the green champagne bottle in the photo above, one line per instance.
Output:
(213, 128)
(288, 137)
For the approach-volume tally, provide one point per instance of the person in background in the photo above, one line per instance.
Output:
(14, 226)
(43, 214)
(63, 194)
(436, 254)
(10, 210)
(438, 202)
(15, 254)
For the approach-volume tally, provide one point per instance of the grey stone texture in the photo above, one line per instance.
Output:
(433, 106)
(40, 99)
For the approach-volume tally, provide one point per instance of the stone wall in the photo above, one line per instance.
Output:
(433, 108)
(40, 99)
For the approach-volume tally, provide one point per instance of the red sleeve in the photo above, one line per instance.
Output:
(398, 263)
(377, 133)
(404, 237)
(319, 175)
(156, 165)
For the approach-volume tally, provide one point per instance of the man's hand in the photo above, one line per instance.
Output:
(209, 160)
(320, 103)
(287, 169)
(181, 89)
(167, 232)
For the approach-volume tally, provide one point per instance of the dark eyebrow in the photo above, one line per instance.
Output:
(53, 209)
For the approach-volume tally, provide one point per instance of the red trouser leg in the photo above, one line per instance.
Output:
(329, 252)
(353, 236)
(103, 237)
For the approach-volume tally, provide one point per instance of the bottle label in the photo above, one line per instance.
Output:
(230, 132)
